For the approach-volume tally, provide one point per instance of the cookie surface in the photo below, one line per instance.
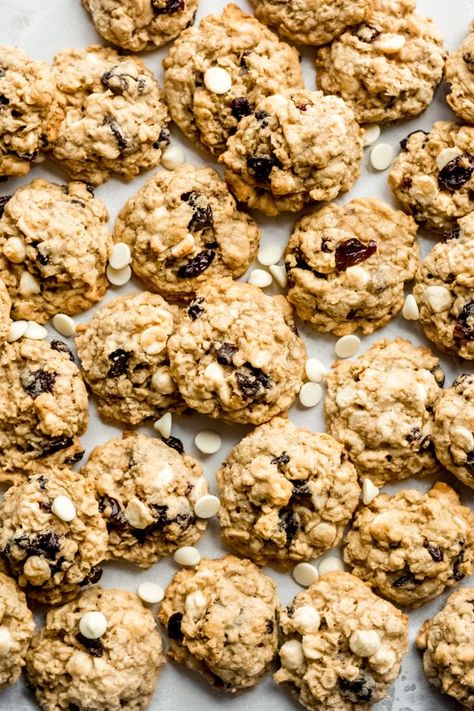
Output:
(16, 630)
(115, 119)
(286, 494)
(124, 356)
(386, 69)
(459, 73)
(380, 407)
(44, 408)
(116, 672)
(54, 249)
(147, 491)
(137, 25)
(342, 645)
(5, 307)
(347, 265)
(184, 228)
(433, 176)
(236, 355)
(49, 557)
(221, 619)
(297, 147)
(258, 64)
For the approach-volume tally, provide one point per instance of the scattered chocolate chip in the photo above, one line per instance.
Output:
(37, 382)
(93, 576)
(253, 382)
(464, 329)
(281, 460)
(41, 258)
(261, 166)
(240, 107)
(225, 353)
(289, 523)
(358, 690)
(120, 360)
(406, 182)
(435, 551)
(352, 251)
(202, 218)
(404, 142)
(456, 173)
(117, 133)
(197, 265)
(174, 443)
(3, 201)
(194, 309)
(174, 626)
(62, 347)
(167, 7)
(55, 444)
(93, 646)
(367, 33)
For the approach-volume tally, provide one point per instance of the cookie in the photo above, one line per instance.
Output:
(445, 641)
(388, 67)
(114, 672)
(453, 433)
(257, 63)
(433, 176)
(347, 265)
(296, 147)
(184, 228)
(124, 356)
(459, 73)
(341, 645)
(44, 408)
(410, 546)
(380, 407)
(115, 116)
(221, 619)
(53, 545)
(54, 249)
(147, 492)
(16, 630)
(444, 291)
(303, 22)
(5, 307)
(236, 355)
(30, 110)
(286, 494)
(136, 25)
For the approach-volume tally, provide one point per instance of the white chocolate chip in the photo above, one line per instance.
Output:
(260, 278)
(270, 254)
(153, 340)
(195, 604)
(310, 394)
(151, 593)
(214, 373)
(93, 625)
(138, 514)
(187, 555)
(5, 641)
(120, 256)
(439, 298)
(312, 646)
(17, 330)
(217, 80)
(446, 156)
(371, 134)
(163, 382)
(390, 43)
(291, 654)
(184, 246)
(306, 619)
(164, 424)
(35, 331)
(346, 396)
(384, 659)
(14, 250)
(347, 346)
(279, 274)
(357, 276)
(118, 277)
(208, 442)
(410, 309)
(330, 565)
(173, 156)
(305, 574)
(369, 491)
(261, 359)
(63, 508)
(200, 488)
(315, 370)
(364, 643)
(381, 156)
(64, 325)
(163, 476)
(207, 506)
(29, 285)
(463, 438)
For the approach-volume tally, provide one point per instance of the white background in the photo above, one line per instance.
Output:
(43, 27)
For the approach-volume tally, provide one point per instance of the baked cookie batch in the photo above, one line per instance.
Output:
(198, 340)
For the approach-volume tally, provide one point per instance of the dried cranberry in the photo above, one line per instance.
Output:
(300, 488)
(3, 201)
(406, 579)
(240, 107)
(465, 326)
(243, 63)
(75, 457)
(174, 443)
(406, 182)
(202, 218)
(163, 139)
(167, 7)
(470, 461)
(289, 523)
(111, 508)
(435, 551)
(195, 310)
(281, 460)
(93, 646)
(45, 544)
(352, 251)
(454, 233)
(358, 690)
(61, 347)
(55, 444)
(367, 33)
(261, 166)
(197, 265)
(414, 435)
(117, 133)
(120, 360)
(468, 58)
(114, 81)
(3, 100)
(456, 173)
(93, 576)
(37, 382)
(225, 353)
(270, 626)
(457, 573)
(174, 626)
(253, 382)
(404, 142)
(263, 117)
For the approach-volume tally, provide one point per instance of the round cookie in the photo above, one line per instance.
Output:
(445, 641)
(30, 111)
(386, 69)
(16, 630)
(51, 557)
(380, 407)
(221, 618)
(410, 546)
(347, 265)
(184, 228)
(5, 307)
(115, 120)
(136, 25)
(444, 291)
(236, 354)
(433, 176)
(124, 356)
(147, 491)
(115, 672)
(296, 147)
(453, 433)
(54, 249)
(303, 22)
(44, 408)
(342, 645)
(258, 65)
(286, 494)
(459, 73)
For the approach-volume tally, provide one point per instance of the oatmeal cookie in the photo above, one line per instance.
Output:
(236, 354)
(286, 494)
(124, 356)
(342, 645)
(30, 110)
(5, 307)
(147, 493)
(444, 291)
(44, 408)
(221, 618)
(386, 69)
(459, 73)
(54, 249)
(115, 672)
(433, 177)
(184, 228)
(347, 265)
(49, 556)
(380, 407)
(296, 147)
(257, 62)
(16, 630)
(141, 24)
(115, 120)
